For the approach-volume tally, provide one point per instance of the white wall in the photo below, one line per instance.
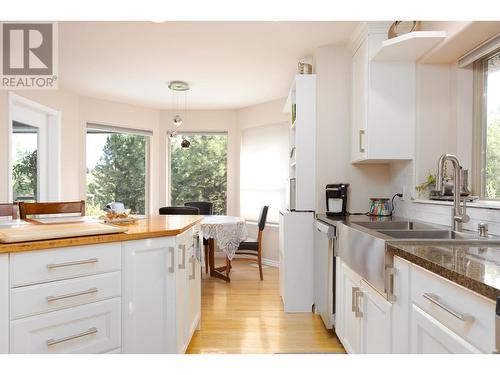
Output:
(259, 115)
(333, 135)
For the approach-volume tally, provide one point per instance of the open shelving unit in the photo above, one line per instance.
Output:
(408, 47)
(301, 105)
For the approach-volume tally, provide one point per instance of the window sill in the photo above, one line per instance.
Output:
(491, 205)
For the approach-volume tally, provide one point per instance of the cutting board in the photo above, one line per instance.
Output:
(26, 233)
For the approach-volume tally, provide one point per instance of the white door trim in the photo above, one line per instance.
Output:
(23, 110)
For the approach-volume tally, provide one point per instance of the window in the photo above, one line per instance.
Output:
(24, 162)
(117, 168)
(489, 124)
(199, 172)
(263, 170)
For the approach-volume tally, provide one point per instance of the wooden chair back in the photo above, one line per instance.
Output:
(8, 209)
(51, 208)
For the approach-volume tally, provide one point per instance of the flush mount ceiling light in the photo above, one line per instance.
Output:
(178, 86)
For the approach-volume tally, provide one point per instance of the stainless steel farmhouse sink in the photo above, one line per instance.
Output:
(431, 235)
(362, 245)
(395, 225)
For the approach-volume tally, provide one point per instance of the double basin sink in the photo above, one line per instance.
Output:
(410, 230)
(362, 245)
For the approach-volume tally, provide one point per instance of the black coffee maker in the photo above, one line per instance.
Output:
(336, 199)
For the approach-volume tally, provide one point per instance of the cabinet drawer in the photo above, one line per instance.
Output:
(35, 267)
(464, 312)
(93, 328)
(41, 298)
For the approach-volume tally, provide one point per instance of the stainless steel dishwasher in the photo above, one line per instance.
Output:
(324, 272)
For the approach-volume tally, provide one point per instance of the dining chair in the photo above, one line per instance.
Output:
(252, 246)
(179, 210)
(206, 208)
(51, 208)
(8, 209)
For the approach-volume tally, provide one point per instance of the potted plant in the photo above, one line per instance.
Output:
(424, 189)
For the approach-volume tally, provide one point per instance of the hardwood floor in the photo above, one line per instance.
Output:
(246, 316)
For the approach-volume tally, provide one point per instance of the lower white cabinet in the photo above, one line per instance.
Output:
(363, 319)
(348, 319)
(429, 336)
(427, 314)
(375, 321)
(92, 328)
(148, 279)
(158, 314)
(296, 248)
(4, 303)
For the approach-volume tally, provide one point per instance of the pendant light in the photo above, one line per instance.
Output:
(179, 91)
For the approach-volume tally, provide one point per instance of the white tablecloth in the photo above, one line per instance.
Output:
(228, 232)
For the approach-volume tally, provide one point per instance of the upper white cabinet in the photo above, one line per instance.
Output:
(4, 303)
(383, 101)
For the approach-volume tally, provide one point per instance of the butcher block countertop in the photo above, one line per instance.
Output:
(149, 227)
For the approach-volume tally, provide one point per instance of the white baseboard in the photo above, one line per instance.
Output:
(267, 262)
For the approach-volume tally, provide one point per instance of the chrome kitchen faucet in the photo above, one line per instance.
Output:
(458, 214)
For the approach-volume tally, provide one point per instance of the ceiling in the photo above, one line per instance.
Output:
(228, 64)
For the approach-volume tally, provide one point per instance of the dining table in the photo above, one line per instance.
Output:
(227, 232)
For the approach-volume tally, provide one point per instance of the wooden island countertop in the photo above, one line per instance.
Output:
(149, 227)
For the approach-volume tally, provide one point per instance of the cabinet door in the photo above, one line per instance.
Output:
(4, 303)
(359, 102)
(428, 336)
(351, 330)
(401, 307)
(182, 292)
(376, 321)
(194, 288)
(282, 255)
(149, 296)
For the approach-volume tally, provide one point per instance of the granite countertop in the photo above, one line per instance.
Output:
(475, 268)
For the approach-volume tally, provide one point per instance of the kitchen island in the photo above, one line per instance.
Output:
(132, 292)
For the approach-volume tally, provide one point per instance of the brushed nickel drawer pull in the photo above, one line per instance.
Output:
(358, 313)
(193, 271)
(75, 263)
(361, 134)
(183, 264)
(389, 275)
(69, 295)
(353, 299)
(437, 301)
(171, 269)
(52, 342)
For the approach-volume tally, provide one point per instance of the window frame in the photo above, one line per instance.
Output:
(169, 159)
(147, 134)
(480, 125)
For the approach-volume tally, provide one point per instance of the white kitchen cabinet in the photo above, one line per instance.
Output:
(184, 244)
(383, 101)
(4, 303)
(86, 329)
(194, 301)
(349, 327)
(429, 336)
(149, 296)
(375, 321)
(400, 306)
(296, 246)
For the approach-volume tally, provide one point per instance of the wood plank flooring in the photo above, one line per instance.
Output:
(246, 317)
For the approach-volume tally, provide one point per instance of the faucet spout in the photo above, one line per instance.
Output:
(458, 215)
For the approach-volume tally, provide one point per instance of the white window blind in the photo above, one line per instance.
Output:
(263, 170)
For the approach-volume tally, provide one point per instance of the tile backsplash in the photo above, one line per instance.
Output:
(441, 214)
